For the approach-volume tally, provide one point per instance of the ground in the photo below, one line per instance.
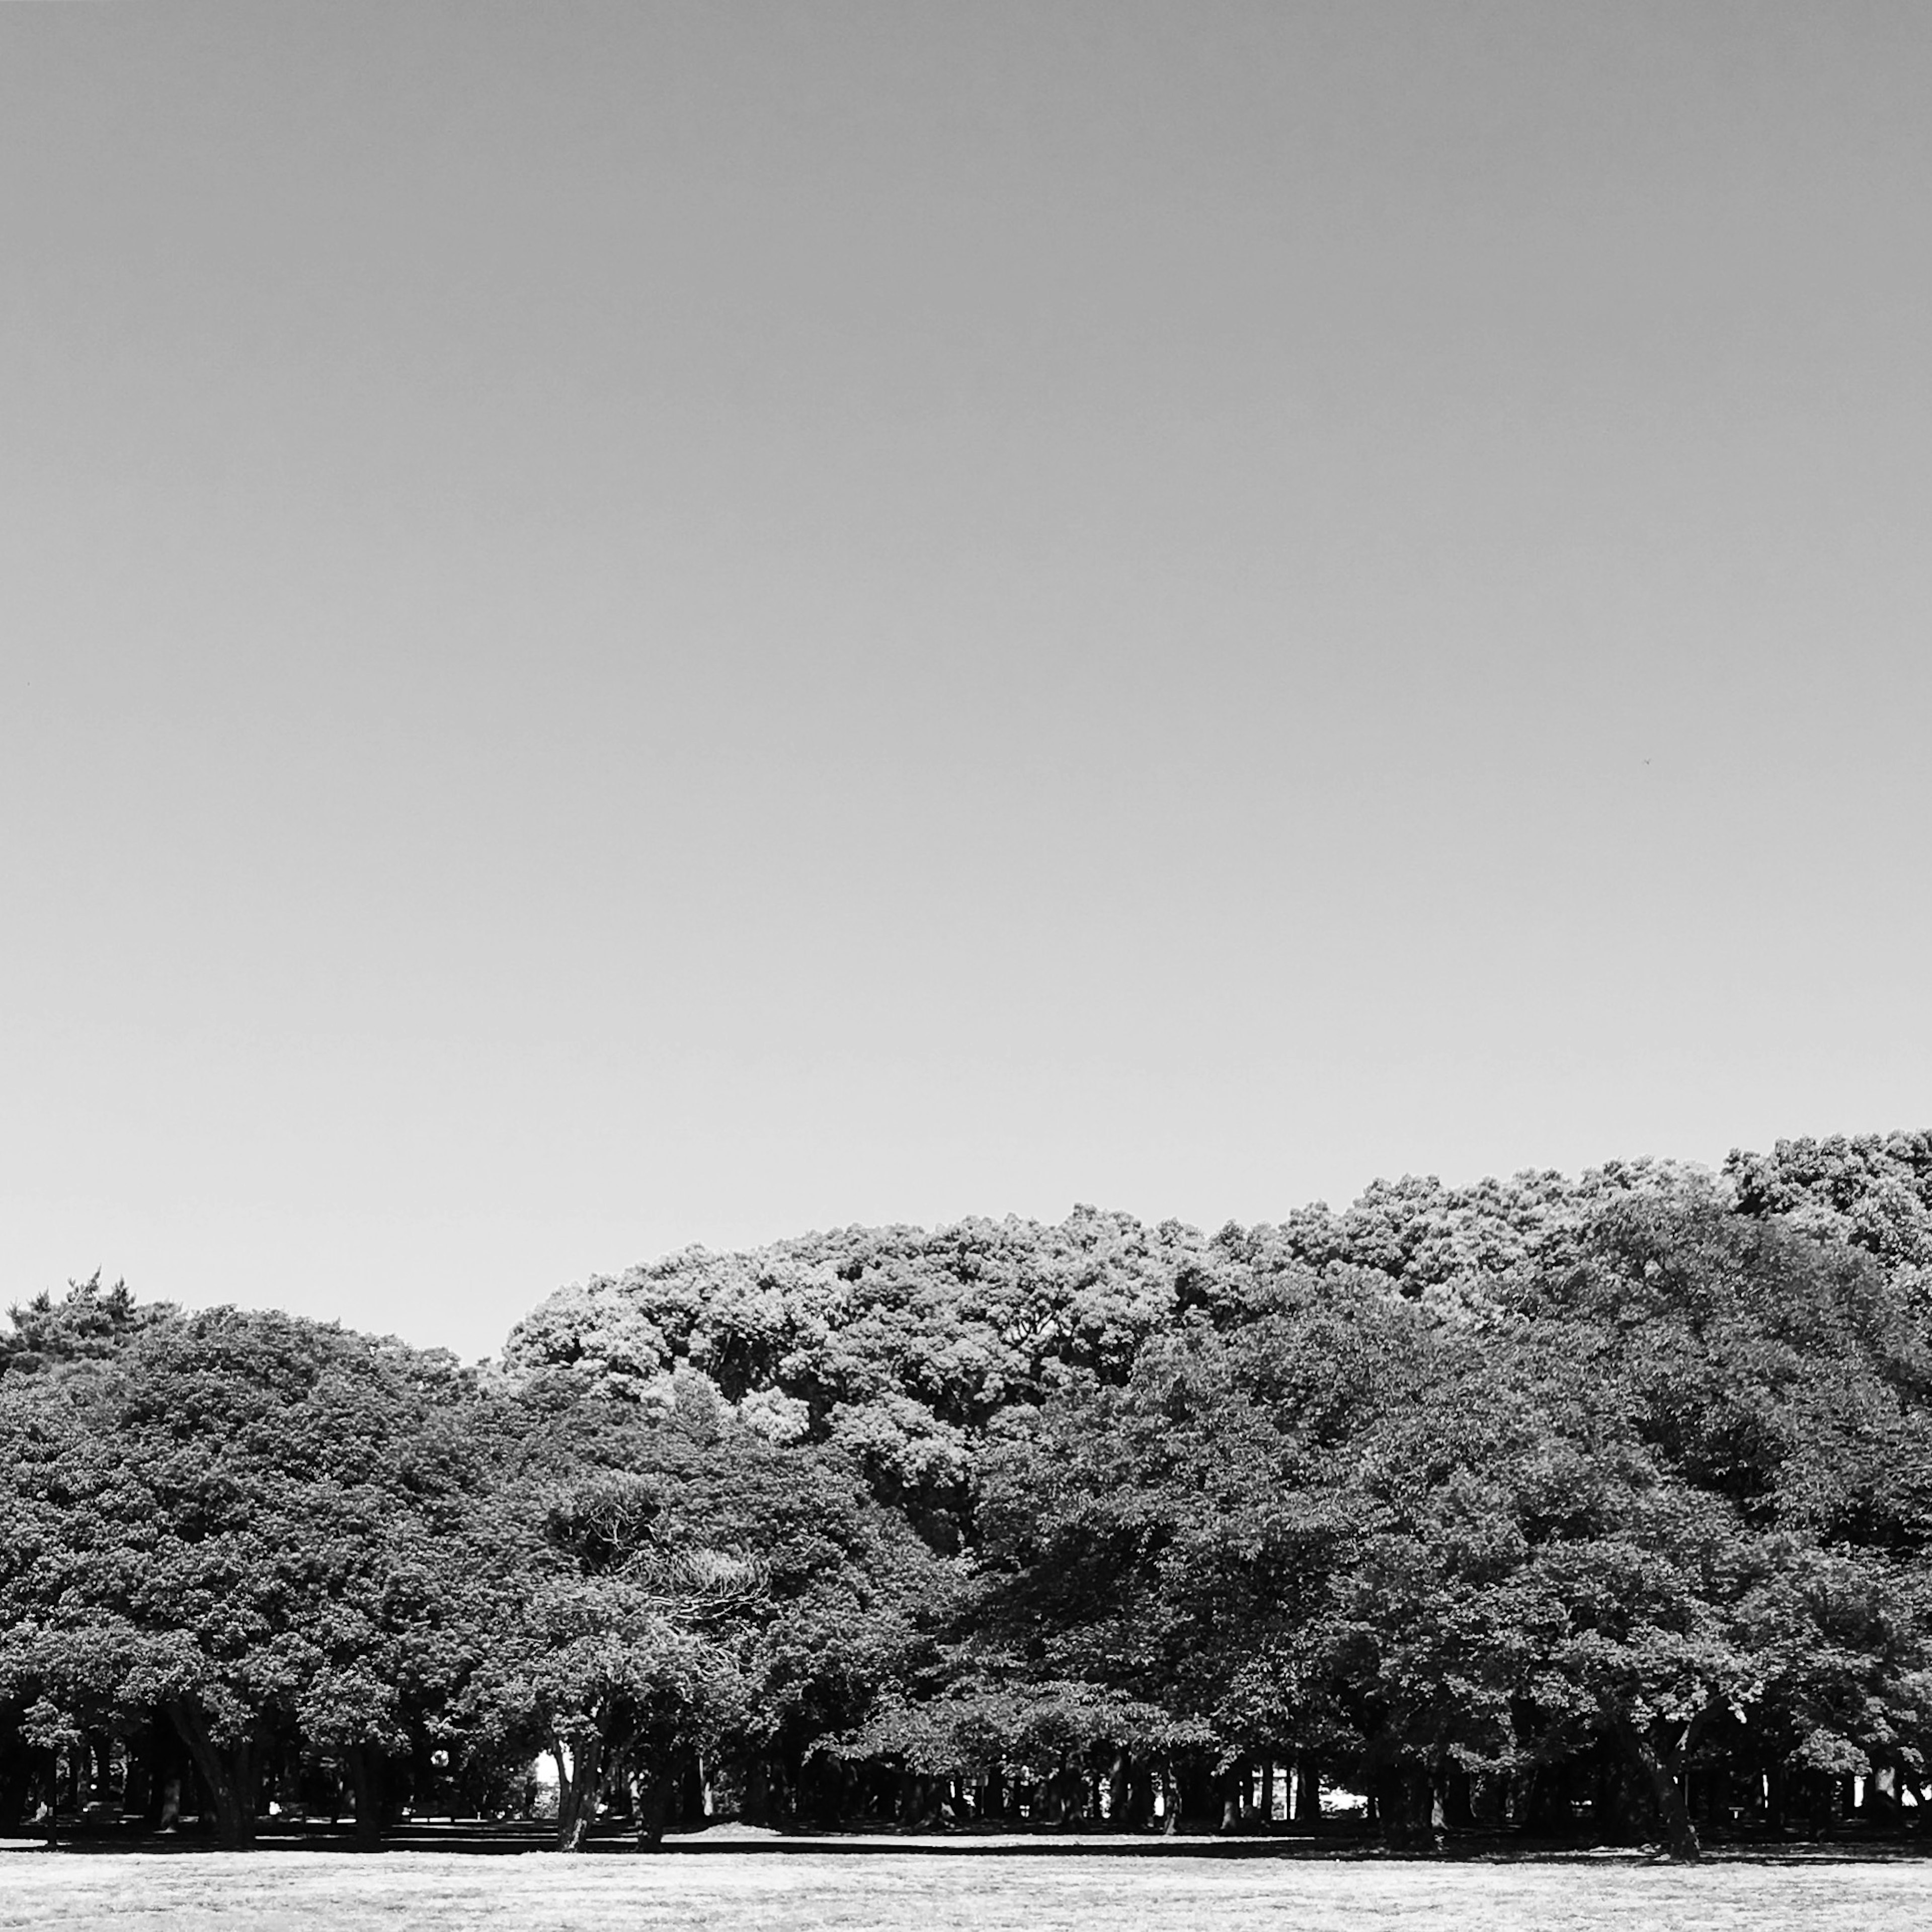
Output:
(310, 1892)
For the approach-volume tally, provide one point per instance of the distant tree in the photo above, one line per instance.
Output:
(237, 1523)
(613, 1645)
(677, 1583)
(1609, 1496)
(1175, 1543)
(899, 1344)
(87, 1323)
(1872, 1191)
(1775, 1384)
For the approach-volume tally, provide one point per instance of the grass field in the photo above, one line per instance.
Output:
(324, 1892)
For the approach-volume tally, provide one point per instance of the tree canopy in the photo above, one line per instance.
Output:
(1561, 1504)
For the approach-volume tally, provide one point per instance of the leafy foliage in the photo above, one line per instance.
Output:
(1533, 1498)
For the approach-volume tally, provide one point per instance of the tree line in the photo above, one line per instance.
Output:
(1559, 1506)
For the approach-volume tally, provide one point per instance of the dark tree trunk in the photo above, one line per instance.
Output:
(1541, 1801)
(368, 1769)
(1603, 1806)
(16, 1776)
(1307, 1792)
(49, 1767)
(1233, 1794)
(653, 1803)
(756, 1808)
(577, 1793)
(1199, 1810)
(1457, 1799)
(1405, 1797)
(138, 1795)
(1673, 1815)
(98, 1764)
(913, 1801)
(227, 1773)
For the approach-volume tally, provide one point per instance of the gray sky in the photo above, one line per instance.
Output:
(629, 625)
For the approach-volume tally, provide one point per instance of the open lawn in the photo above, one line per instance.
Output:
(309, 1891)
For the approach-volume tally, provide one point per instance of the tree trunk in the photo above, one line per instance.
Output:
(577, 1783)
(653, 1803)
(1307, 1792)
(1404, 1798)
(1456, 1797)
(1200, 1799)
(1233, 1794)
(754, 1805)
(228, 1771)
(137, 1788)
(1612, 1811)
(368, 1767)
(1680, 1834)
(16, 1774)
(50, 1764)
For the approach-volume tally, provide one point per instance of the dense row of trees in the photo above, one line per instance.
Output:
(1546, 1504)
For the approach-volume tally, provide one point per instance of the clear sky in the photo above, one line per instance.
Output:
(627, 625)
